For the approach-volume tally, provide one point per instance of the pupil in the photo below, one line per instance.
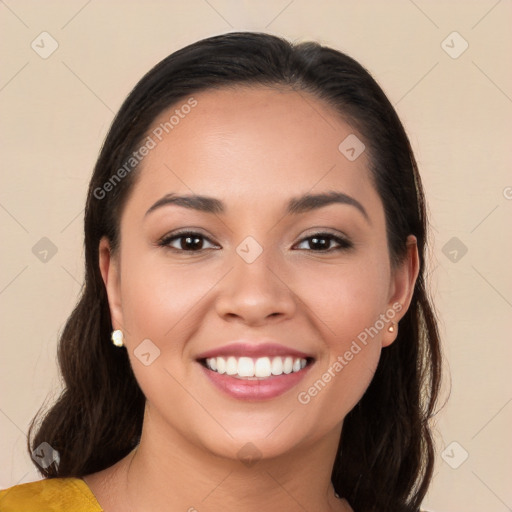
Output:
(190, 240)
(319, 245)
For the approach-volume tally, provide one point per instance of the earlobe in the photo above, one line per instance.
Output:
(109, 268)
(403, 282)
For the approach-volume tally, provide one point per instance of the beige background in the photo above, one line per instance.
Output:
(56, 111)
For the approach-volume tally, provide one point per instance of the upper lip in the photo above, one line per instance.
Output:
(253, 349)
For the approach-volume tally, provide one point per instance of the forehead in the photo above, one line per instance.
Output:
(250, 143)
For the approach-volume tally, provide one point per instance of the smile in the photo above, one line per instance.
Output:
(255, 368)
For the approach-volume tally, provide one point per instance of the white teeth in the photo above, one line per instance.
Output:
(231, 366)
(261, 367)
(219, 362)
(277, 366)
(246, 367)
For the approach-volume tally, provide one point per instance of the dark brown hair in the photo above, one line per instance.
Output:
(385, 456)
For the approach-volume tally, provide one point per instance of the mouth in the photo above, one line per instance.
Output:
(249, 371)
(261, 368)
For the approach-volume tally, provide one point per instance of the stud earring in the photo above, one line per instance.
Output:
(391, 328)
(117, 338)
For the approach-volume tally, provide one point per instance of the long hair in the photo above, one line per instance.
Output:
(385, 455)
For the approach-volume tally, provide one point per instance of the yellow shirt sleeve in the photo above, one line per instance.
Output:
(49, 495)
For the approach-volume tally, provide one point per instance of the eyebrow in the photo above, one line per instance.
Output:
(295, 206)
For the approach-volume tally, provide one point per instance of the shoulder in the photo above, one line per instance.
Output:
(49, 495)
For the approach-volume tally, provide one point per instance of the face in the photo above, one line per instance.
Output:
(254, 315)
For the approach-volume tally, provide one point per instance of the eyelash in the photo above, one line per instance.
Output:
(344, 244)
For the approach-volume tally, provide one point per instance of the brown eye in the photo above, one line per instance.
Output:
(321, 242)
(187, 241)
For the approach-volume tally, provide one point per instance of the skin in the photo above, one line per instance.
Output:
(254, 149)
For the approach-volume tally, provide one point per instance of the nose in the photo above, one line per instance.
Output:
(255, 293)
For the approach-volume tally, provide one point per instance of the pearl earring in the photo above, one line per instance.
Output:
(117, 338)
(391, 328)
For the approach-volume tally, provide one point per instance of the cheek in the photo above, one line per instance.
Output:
(162, 303)
(347, 297)
(158, 297)
(348, 301)
(337, 387)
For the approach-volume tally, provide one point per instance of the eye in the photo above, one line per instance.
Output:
(321, 242)
(192, 241)
(187, 241)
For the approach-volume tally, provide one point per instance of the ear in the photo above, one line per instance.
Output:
(110, 272)
(403, 281)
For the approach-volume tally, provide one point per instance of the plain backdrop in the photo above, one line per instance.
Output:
(445, 65)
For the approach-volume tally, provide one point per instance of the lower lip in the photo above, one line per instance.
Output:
(264, 389)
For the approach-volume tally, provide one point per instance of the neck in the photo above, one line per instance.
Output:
(167, 472)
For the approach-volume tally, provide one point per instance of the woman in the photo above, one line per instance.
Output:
(254, 332)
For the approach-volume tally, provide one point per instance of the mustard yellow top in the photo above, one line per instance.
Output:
(50, 495)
